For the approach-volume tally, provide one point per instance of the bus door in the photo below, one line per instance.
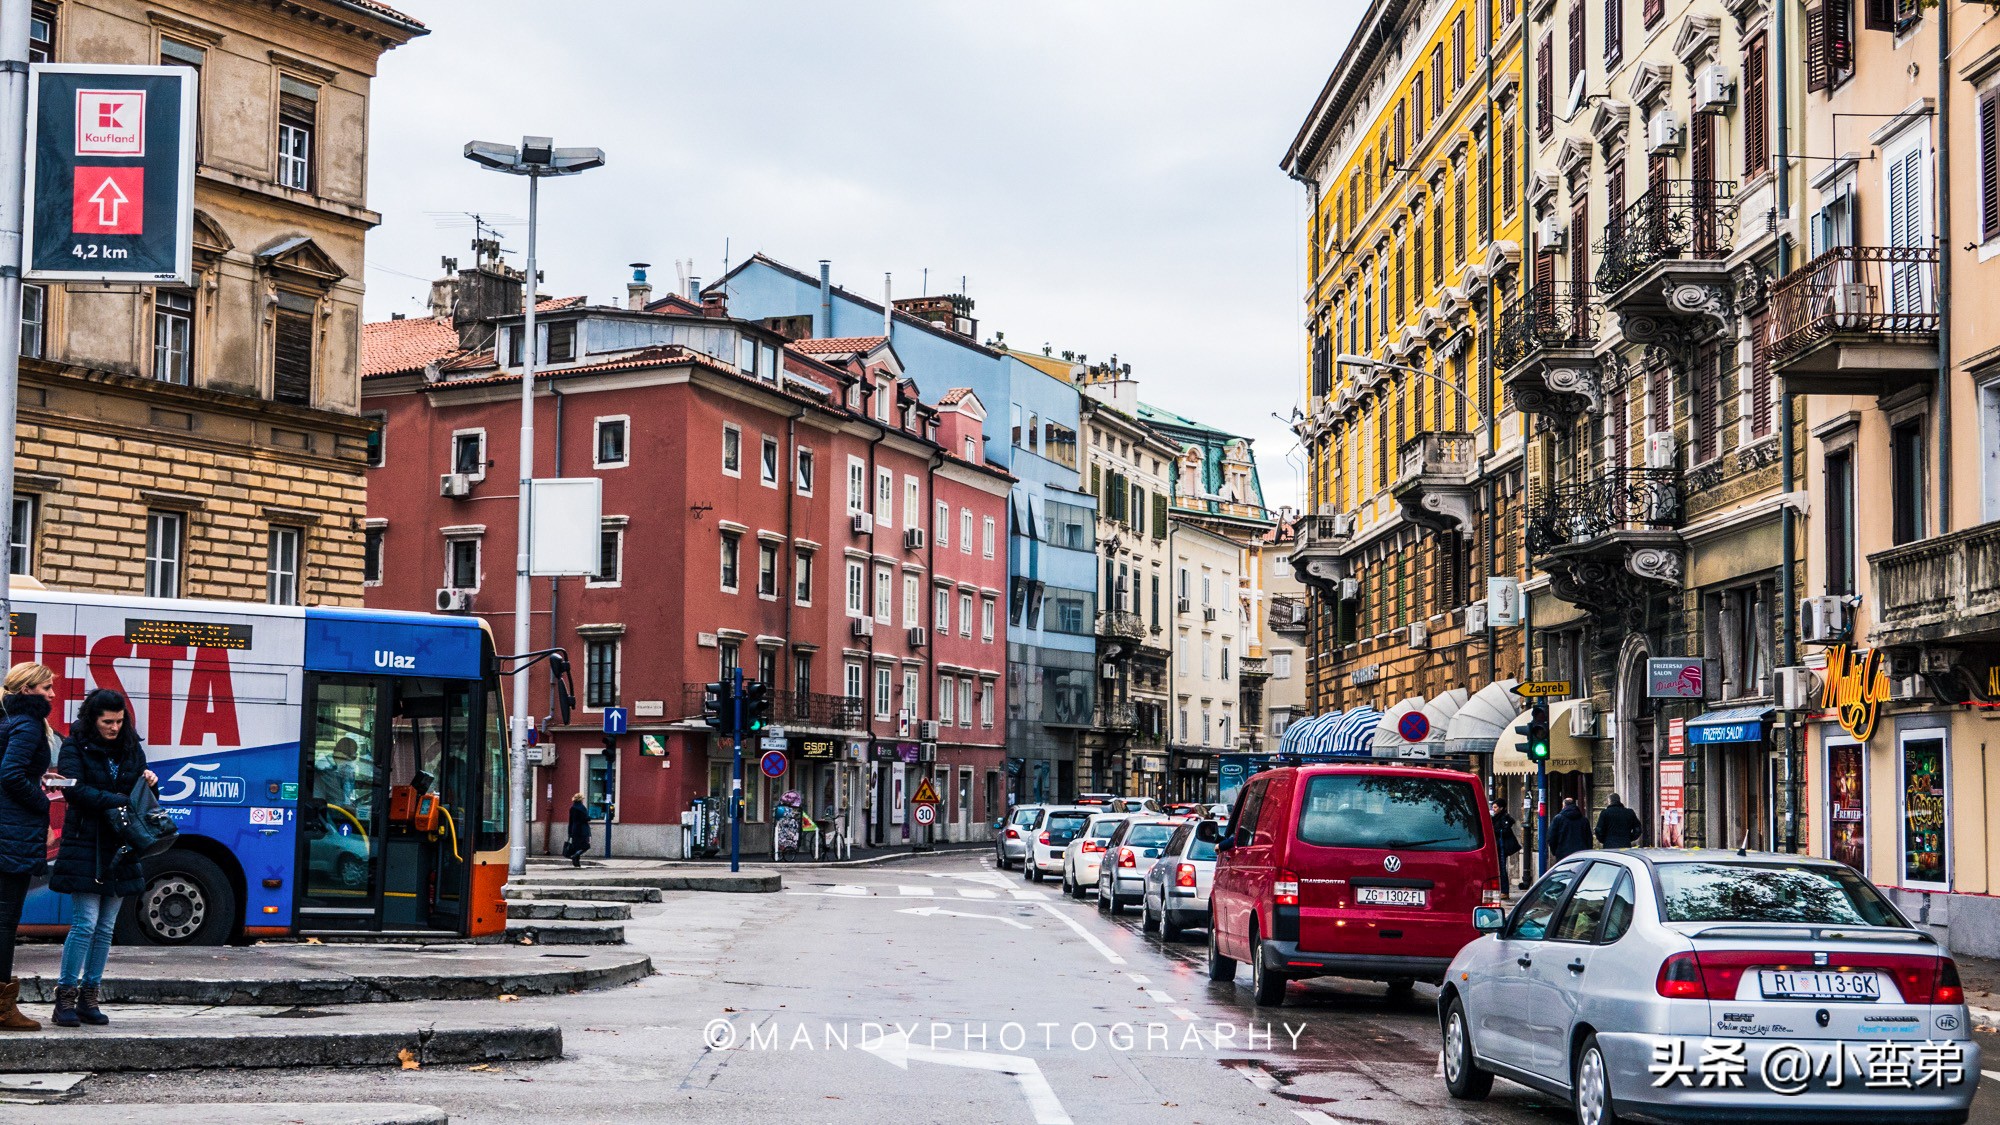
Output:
(432, 779)
(342, 813)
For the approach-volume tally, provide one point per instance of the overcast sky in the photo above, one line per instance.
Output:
(1103, 174)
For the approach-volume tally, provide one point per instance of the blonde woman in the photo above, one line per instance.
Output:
(26, 696)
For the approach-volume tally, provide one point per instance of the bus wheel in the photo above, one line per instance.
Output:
(187, 901)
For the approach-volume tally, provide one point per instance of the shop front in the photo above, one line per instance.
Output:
(1741, 777)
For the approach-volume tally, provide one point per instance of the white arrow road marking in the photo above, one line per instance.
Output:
(1993, 1074)
(846, 889)
(934, 911)
(1042, 1100)
(916, 892)
(1084, 934)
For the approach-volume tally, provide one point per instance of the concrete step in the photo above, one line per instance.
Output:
(531, 891)
(559, 911)
(747, 882)
(566, 933)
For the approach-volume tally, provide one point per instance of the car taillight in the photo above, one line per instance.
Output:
(1127, 857)
(1949, 990)
(1925, 980)
(1013, 834)
(1184, 875)
(1092, 846)
(1492, 895)
(1285, 889)
(1680, 978)
(1043, 839)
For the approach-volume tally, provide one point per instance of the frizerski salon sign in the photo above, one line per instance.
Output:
(1857, 686)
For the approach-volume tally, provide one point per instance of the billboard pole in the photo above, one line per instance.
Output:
(14, 18)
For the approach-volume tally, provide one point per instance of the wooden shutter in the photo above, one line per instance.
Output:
(1663, 399)
(1816, 64)
(1545, 276)
(1576, 49)
(1654, 9)
(1545, 86)
(1579, 247)
(1879, 15)
(1402, 132)
(1839, 43)
(1614, 195)
(292, 365)
(1159, 515)
(1614, 32)
(1989, 164)
(1756, 125)
(1760, 376)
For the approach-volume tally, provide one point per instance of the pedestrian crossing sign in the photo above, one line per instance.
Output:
(927, 793)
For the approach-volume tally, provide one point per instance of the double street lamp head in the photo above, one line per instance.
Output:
(536, 156)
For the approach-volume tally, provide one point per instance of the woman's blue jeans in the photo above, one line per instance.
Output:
(92, 918)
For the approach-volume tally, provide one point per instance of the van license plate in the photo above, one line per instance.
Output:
(1785, 985)
(1391, 896)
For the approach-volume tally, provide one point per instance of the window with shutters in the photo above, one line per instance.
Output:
(1575, 43)
(1652, 12)
(1417, 260)
(1507, 183)
(298, 118)
(1545, 87)
(1909, 224)
(1458, 220)
(1829, 44)
(1707, 378)
(1485, 195)
(1437, 80)
(1458, 59)
(1756, 107)
(1417, 110)
(1659, 392)
(1614, 33)
(1579, 246)
(1402, 132)
(1437, 238)
(1614, 195)
(292, 348)
(1989, 164)
(1760, 376)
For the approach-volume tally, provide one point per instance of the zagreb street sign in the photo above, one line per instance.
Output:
(1543, 689)
(110, 175)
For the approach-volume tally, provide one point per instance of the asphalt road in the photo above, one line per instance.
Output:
(936, 990)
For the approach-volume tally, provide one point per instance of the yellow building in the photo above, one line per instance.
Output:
(1410, 157)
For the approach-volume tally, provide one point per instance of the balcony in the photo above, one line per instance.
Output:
(1116, 717)
(1254, 669)
(1548, 350)
(1938, 589)
(1289, 616)
(793, 709)
(1609, 542)
(1857, 320)
(1121, 625)
(1319, 557)
(1435, 486)
(1664, 262)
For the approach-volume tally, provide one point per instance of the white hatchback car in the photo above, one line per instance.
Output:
(1044, 853)
(1081, 858)
(1176, 893)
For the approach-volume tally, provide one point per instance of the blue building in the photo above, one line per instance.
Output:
(1052, 538)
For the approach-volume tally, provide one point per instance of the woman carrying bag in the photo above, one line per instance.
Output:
(104, 756)
(26, 697)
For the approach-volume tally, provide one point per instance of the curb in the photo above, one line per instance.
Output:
(666, 880)
(622, 969)
(1988, 1016)
(246, 1113)
(231, 1047)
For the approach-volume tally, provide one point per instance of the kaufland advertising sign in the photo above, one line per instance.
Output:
(111, 173)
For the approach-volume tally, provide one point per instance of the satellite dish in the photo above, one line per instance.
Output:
(1575, 101)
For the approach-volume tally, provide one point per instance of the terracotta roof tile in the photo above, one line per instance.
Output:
(954, 396)
(551, 304)
(389, 346)
(839, 345)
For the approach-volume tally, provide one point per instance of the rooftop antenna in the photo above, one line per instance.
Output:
(927, 281)
(888, 309)
(725, 255)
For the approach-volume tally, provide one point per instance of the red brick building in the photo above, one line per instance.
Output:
(787, 507)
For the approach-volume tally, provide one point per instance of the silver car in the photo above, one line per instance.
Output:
(1128, 855)
(1011, 844)
(1080, 858)
(1176, 892)
(1058, 826)
(1671, 985)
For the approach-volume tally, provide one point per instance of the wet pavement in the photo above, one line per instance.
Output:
(937, 990)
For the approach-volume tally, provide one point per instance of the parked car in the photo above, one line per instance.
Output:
(1133, 805)
(1081, 858)
(1617, 963)
(1011, 843)
(1363, 871)
(1176, 889)
(1128, 855)
(1044, 855)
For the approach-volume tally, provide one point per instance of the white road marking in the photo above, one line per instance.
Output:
(976, 892)
(916, 892)
(1030, 896)
(935, 911)
(1259, 1077)
(1137, 979)
(1084, 934)
(1993, 1074)
(1316, 1117)
(1160, 996)
(847, 889)
(1042, 1100)
(1182, 1013)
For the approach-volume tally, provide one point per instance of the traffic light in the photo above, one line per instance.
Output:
(718, 711)
(1538, 732)
(756, 705)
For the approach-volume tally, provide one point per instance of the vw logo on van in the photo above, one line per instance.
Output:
(1392, 863)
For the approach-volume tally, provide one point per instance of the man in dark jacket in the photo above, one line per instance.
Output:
(1509, 843)
(579, 831)
(1569, 830)
(1617, 826)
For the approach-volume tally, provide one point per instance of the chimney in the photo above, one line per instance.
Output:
(444, 291)
(823, 326)
(638, 291)
(715, 304)
(491, 289)
(888, 308)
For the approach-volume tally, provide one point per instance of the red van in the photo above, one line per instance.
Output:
(1365, 871)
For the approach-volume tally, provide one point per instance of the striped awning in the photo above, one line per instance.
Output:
(1299, 734)
(1355, 736)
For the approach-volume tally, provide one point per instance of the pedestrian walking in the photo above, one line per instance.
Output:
(104, 756)
(25, 697)
(1510, 844)
(578, 843)
(1617, 825)
(1569, 830)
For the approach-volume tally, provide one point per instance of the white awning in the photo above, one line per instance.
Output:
(1440, 711)
(1476, 726)
(1389, 740)
(1567, 753)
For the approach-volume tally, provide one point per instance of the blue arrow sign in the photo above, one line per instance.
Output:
(614, 720)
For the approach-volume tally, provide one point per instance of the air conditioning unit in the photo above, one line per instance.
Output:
(1350, 589)
(919, 637)
(1907, 689)
(913, 539)
(1659, 451)
(864, 627)
(1663, 132)
(455, 486)
(1107, 671)
(1420, 636)
(1208, 613)
(1475, 617)
(451, 600)
(1180, 605)
(927, 731)
(1852, 302)
(864, 524)
(1583, 719)
(1826, 621)
(1798, 689)
(1713, 89)
(1551, 235)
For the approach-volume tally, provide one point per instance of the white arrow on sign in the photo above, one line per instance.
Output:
(934, 911)
(109, 199)
(1042, 1100)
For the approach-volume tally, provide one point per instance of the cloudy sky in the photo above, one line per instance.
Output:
(1102, 173)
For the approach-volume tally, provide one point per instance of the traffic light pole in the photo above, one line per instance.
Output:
(736, 770)
(1542, 816)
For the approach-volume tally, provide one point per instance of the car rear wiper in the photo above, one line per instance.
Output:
(1418, 843)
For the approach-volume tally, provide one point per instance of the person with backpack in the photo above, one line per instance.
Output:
(26, 696)
(104, 757)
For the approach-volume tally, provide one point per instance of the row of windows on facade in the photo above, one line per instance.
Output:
(1209, 724)
(166, 552)
(173, 355)
(761, 794)
(1044, 437)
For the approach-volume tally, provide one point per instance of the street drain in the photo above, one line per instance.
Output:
(297, 1014)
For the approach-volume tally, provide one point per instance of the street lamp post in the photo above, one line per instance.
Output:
(536, 158)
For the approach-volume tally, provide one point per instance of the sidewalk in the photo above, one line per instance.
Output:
(1981, 978)
(757, 860)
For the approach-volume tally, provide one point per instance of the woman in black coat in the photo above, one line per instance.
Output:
(24, 815)
(579, 831)
(104, 756)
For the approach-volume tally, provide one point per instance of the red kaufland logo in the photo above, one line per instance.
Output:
(111, 122)
(109, 201)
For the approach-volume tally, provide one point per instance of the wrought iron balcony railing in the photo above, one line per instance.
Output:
(836, 712)
(1618, 500)
(1868, 290)
(1117, 716)
(1556, 315)
(1287, 612)
(1121, 625)
(1441, 453)
(1680, 219)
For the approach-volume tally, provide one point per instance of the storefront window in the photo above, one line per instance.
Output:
(1847, 838)
(1926, 822)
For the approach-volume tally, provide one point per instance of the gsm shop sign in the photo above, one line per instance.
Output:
(111, 173)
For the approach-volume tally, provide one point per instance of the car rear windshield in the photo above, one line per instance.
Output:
(1772, 892)
(1150, 835)
(1385, 811)
(1063, 827)
(1203, 844)
(1103, 829)
(1026, 816)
